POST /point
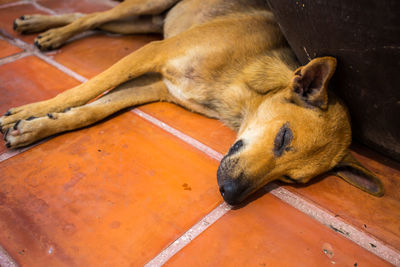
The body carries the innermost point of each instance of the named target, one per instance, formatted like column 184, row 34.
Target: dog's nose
column 230, row 191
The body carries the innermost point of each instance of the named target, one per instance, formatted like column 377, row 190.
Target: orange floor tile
column 83, row 56
column 121, row 192
column 7, row 49
column 208, row 131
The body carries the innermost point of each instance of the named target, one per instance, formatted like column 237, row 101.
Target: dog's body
column 224, row 59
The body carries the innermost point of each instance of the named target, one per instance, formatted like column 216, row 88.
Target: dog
column 225, row 59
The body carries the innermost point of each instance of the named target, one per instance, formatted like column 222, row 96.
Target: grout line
column 27, row 49
column 191, row 141
column 15, row 3
column 11, row 153
column 187, row 237
column 6, row 260
column 15, row 41
column 60, row 67
column 43, row 8
column 326, row 218
column 14, row 57
column 31, row 50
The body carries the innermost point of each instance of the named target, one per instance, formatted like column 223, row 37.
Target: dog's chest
column 188, row 86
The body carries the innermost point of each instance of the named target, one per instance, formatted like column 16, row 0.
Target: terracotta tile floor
column 6, row 49
column 141, row 187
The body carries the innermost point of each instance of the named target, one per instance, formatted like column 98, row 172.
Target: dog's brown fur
column 224, row 59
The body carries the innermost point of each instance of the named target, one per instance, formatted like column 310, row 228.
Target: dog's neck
column 271, row 72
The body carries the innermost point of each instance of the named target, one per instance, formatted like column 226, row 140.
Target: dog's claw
column 5, row 134
column 31, row 118
column 8, row 113
column 38, row 45
column 15, row 25
column 16, row 124
column 8, row 145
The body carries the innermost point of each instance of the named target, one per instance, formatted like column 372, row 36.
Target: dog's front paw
column 7, row 120
column 19, row 134
column 50, row 39
column 30, row 24
column 13, row 115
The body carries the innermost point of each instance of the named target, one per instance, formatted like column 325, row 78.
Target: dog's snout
column 231, row 179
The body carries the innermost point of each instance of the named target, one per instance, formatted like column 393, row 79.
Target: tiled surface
column 111, row 195
column 83, row 56
column 268, row 232
column 7, row 49
column 379, row 217
column 208, row 131
column 119, row 192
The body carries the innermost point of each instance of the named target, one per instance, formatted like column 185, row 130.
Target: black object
column 364, row 36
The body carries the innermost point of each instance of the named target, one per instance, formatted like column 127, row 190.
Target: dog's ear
column 310, row 82
column 350, row 170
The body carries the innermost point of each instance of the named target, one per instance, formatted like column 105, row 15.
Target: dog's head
column 295, row 134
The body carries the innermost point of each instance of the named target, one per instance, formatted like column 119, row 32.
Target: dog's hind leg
column 130, row 8
column 38, row 23
column 149, row 58
column 135, row 92
column 139, row 24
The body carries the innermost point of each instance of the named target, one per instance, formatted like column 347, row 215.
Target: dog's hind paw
column 50, row 39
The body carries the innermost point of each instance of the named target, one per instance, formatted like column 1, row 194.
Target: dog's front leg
column 147, row 59
column 148, row 88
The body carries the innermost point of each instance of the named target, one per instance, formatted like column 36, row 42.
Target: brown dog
column 224, row 59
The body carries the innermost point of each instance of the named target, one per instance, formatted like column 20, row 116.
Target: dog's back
column 188, row 13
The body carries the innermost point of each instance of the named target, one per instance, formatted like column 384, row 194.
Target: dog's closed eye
column 282, row 140
column 235, row 148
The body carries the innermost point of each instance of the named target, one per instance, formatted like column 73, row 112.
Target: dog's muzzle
column 232, row 187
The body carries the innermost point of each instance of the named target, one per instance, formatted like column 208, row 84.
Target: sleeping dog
column 224, row 59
